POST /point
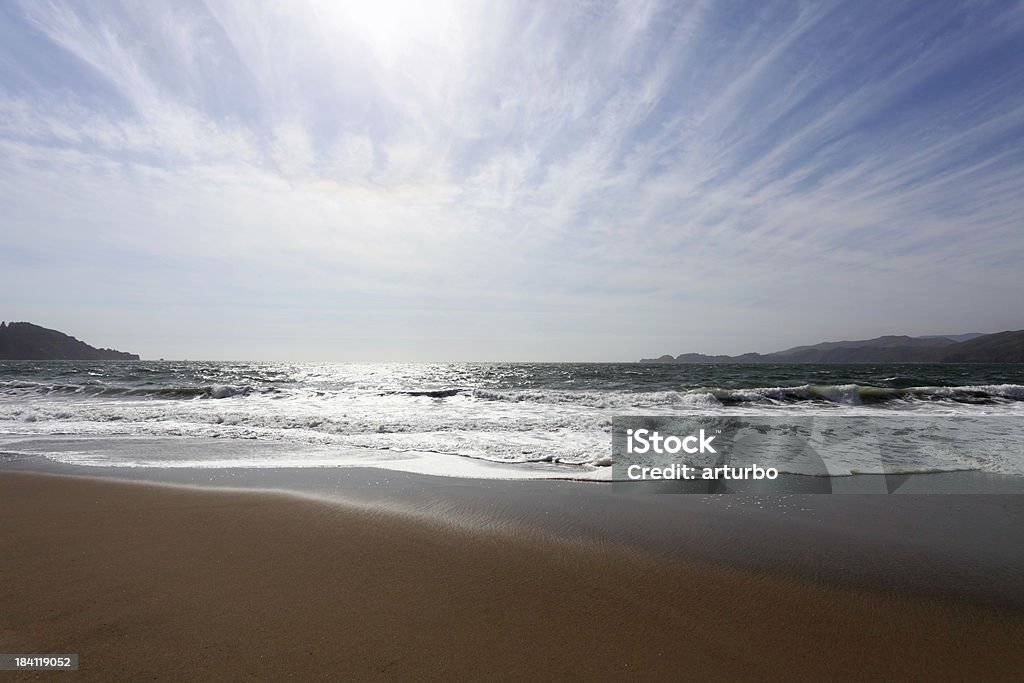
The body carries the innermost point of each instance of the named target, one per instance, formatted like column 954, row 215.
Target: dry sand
column 152, row 582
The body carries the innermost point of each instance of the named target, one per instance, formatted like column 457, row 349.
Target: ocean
column 489, row 420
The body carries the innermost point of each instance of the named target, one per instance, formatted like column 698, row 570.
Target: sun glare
column 392, row 28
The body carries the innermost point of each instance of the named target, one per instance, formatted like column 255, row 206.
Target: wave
column 686, row 398
column 544, row 418
column 848, row 394
column 600, row 399
column 855, row 394
column 432, row 393
column 97, row 389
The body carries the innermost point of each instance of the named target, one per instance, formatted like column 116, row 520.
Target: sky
column 396, row 180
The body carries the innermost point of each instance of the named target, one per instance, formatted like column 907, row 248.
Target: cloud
column 778, row 172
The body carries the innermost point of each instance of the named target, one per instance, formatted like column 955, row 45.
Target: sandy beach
column 511, row 341
column 172, row 583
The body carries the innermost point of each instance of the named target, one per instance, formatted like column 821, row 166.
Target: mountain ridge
column 1001, row 347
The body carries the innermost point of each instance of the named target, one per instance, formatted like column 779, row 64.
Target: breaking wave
column 554, row 416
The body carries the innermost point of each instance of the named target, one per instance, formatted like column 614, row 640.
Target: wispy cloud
column 537, row 180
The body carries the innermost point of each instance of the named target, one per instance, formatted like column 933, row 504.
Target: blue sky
column 399, row 180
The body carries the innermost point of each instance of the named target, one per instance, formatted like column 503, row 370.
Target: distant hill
column 1004, row 347
column 955, row 337
column 25, row 341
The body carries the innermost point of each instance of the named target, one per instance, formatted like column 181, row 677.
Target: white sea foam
column 378, row 412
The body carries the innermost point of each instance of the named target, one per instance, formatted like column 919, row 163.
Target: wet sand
column 170, row 583
column 966, row 547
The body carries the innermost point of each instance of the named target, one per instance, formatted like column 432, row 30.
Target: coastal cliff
column 25, row 341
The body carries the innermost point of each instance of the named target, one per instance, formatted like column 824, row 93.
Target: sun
column 393, row 27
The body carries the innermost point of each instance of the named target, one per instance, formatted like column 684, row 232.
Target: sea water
column 502, row 420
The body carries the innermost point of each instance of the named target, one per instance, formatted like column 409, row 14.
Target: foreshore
column 172, row 583
column 962, row 547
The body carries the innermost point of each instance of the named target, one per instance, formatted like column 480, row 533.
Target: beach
column 514, row 341
column 229, row 521
column 169, row 583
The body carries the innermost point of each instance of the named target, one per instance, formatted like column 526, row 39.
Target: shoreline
column 150, row 580
column 33, row 451
column 965, row 547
